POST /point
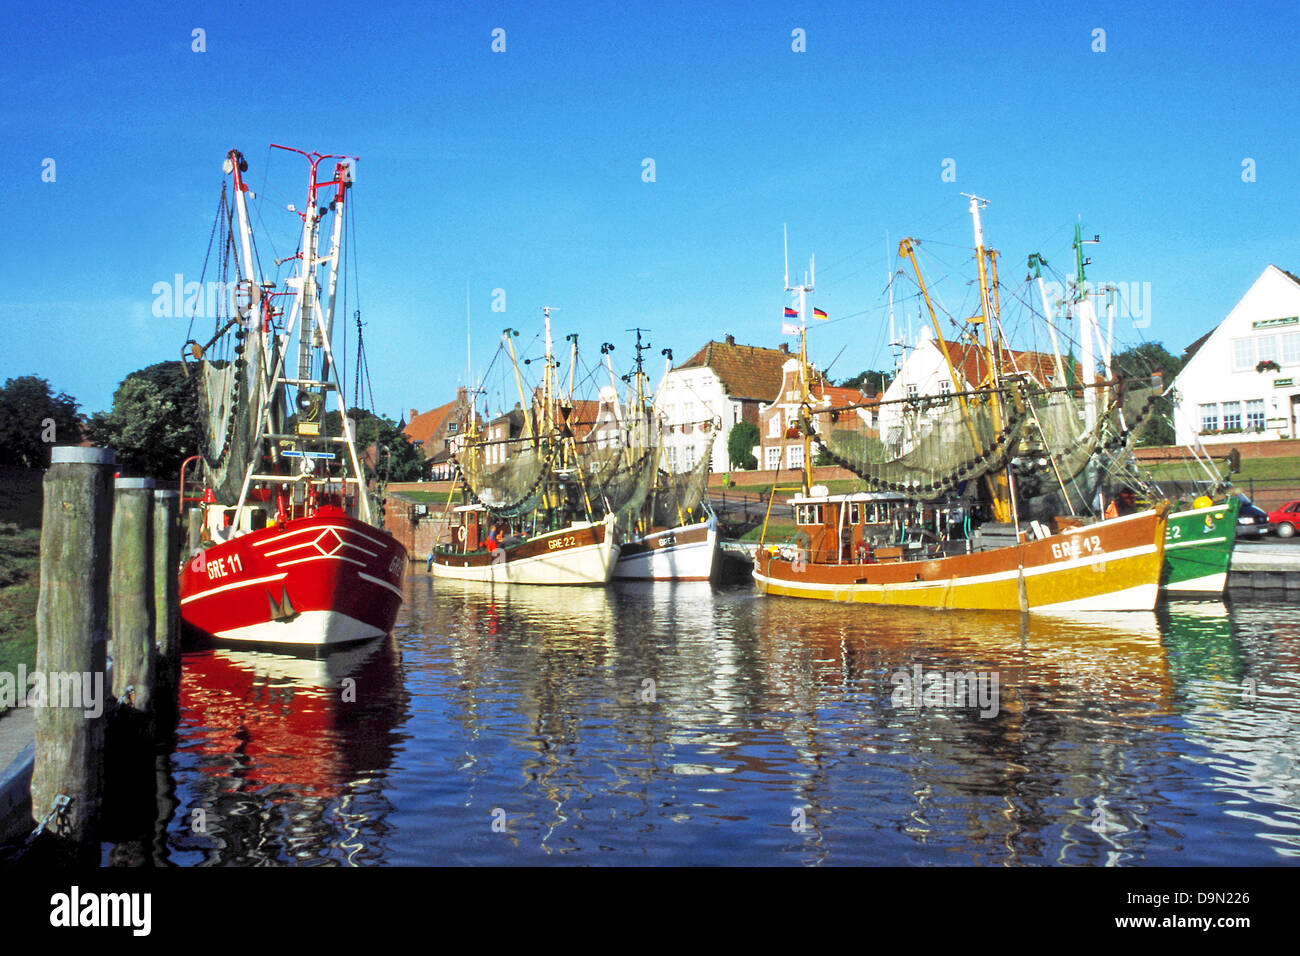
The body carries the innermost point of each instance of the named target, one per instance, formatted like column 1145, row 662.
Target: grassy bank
column 20, row 546
column 776, row 533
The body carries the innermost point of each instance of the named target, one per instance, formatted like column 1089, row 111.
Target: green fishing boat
column 1198, row 546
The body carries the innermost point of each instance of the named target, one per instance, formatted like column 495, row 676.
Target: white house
column 925, row 373
column 700, row 400
column 1240, row 380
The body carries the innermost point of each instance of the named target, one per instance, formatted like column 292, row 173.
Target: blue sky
column 523, row 170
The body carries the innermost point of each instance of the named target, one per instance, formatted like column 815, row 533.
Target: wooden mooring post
column 132, row 595
column 167, row 635
column 72, row 616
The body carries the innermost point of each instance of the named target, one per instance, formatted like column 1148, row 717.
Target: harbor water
column 685, row 724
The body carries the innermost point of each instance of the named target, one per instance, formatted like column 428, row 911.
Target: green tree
column 376, row 432
column 870, row 382
column 740, row 445
column 1141, row 362
column 153, row 425
column 32, row 418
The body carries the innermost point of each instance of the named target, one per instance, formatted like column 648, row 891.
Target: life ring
column 460, row 534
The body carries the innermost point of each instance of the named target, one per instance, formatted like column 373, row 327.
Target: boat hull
column 320, row 581
column 688, row 553
column 581, row 554
column 1198, row 549
column 1112, row 565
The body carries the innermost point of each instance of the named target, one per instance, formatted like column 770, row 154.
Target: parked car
column 1286, row 519
column 1252, row 521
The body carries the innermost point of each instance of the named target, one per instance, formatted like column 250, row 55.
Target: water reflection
column 1238, row 684
column 284, row 755
column 659, row 723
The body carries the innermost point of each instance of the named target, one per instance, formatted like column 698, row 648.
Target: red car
column 1286, row 519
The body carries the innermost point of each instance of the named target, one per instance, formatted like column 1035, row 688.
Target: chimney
column 731, row 340
column 785, row 347
column 460, row 395
column 413, row 414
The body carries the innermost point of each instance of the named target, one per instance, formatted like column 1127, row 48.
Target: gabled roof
column 424, row 426
column 1196, row 346
column 1190, row 352
column 746, row 371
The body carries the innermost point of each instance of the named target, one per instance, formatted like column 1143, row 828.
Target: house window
column 1209, row 418
column 1266, row 348
column 1243, row 354
column 945, row 387
column 796, row 456
column 1291, row 348
column 452, row 427
column 1255, row 414
column 1231, row 416
column 912, row 392
column 773, row 457
column 774, row 425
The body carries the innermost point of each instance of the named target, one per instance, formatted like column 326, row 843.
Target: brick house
column 781, row 445
column 703, row 398
column 435, row 432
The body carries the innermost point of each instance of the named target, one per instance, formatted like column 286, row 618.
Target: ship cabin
column 472, row 528
column 263, row 509
column 868, row 527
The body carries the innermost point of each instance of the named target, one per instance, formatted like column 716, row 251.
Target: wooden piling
column 71, row 630
column 132, row 596
column 166, row 608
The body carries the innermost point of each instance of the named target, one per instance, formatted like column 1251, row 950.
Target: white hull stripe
column 1192, row 544
column 309, row 544
column 319, row 528
column 1140, row 598
column 1103, row 558
column 320, row 557
column 1198, row 511
column 236, row 584
column 587, row 562
column 1209, row 584
column 310, row 628
column 372, row 578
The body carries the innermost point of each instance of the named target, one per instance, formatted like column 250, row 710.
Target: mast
column 314, row 334
column 803, row 290
column 1087, row 327
column 1003, row 506
column 1036, row 262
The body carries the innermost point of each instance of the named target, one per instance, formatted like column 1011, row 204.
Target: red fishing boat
column 285, row 543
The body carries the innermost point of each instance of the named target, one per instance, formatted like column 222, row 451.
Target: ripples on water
column 680, row 724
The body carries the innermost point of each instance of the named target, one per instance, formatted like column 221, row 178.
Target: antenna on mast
column 785, row 243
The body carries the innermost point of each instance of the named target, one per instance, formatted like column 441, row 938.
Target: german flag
column 818, row 314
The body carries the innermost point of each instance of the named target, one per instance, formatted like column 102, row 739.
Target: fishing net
column 230, row 402
column 923, row 446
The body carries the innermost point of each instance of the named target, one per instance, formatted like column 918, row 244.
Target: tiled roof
column 841, row 397
column 746, row 371
column 583, row 417
column 972, row 366
column 424, row 426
